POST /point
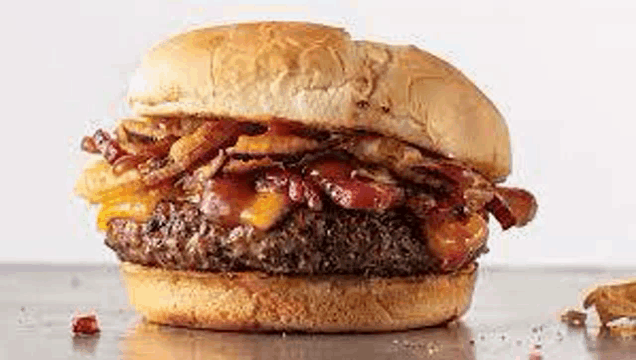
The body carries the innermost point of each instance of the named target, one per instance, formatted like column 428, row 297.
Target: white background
column 561, row 72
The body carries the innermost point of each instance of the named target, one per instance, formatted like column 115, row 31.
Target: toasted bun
column 258, row 302
column 317, row 75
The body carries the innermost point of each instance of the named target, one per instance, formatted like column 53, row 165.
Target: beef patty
column 332, row 241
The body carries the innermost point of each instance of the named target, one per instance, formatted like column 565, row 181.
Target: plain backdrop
column 561, row 72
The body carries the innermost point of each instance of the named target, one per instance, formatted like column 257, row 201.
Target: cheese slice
column 138, row 207
column 266, row 210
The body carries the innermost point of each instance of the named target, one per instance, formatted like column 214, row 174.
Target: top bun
column 318, row 76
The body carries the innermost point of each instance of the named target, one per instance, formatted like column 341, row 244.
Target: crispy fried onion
column 98, row 184
column 280, row 137
column 186, row 141
column 157, row 128
column 208, row 138
column 273, row 144
column 124, row 155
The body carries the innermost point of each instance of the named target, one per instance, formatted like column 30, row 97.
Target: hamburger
column 280, row 176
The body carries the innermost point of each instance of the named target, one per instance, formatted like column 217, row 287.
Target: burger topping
column 225, row 197
column 452, row 240
column 266, row 209
column 267, row 144
column 353, row 190
column 208, row 138
column 230, row 196
column 98, row 184
column 512, row 206
column 256, row 174
column 102, row 143
column 293, row 185
column 135, row 206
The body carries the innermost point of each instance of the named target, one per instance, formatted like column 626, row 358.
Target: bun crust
column 258, row 302
column 317, row 75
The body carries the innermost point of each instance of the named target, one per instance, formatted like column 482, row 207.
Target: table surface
column 515, row 310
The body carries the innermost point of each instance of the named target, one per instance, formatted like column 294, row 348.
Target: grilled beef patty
column 332, row 241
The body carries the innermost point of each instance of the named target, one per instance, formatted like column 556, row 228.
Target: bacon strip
column 512, row 206
column 338, row 180
column 500, row 209
column 102, row 143
column 521, row 202
column 457, row 184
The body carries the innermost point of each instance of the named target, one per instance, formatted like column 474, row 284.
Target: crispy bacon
column 512, row 206
column 84, row 324
column 521, row 202
column 88, row 145
column 297, row 188
column 338, row 180
column 500, row 209
column 102, row 143
column 127, row 162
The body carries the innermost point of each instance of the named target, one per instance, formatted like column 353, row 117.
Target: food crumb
column 574, row 318
column 85, row 324
column 535, row 355
column 535, row 352
column 432, row 347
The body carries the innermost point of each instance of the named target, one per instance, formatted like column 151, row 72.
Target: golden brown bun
column 317, row 75
column 257, row 302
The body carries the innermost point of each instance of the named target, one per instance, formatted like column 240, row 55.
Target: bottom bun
column 252, row 301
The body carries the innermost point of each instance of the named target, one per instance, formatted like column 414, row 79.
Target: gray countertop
column 514, row 311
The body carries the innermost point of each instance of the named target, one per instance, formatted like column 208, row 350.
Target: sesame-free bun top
column 319, row 76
